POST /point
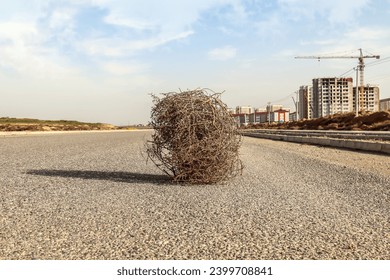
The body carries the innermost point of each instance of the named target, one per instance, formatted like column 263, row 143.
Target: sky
column 100, row 60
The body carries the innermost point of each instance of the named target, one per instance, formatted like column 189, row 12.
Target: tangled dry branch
column 195, row 138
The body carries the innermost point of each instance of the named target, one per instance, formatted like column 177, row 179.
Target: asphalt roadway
column 94, row 196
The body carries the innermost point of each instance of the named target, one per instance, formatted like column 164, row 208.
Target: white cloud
column 334, row 11
column 137, row 24
column 270, row 27
column 368, row 34
column 122, row 47
column 61, row 18
column 166, row 21
column 371, row 39
column 236, row 14
column 224, row 53
column 142, row 25
column 325, row 42
column 49, row 42
column 18, row 32
column 22, row 51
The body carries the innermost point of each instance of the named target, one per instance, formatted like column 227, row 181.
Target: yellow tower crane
column 360, row 69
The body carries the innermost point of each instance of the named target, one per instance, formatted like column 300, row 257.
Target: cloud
column 325, row 42
column 115, row 28
column 62, row 18
column 334, row 11
column 373, row 39
column 270, row 27
column 153, row 22
column 224, row 53
column 22, row 51
column 18, row 32
column 137, row 24
column 118, row 47
column 368, row 34
column 76, row 41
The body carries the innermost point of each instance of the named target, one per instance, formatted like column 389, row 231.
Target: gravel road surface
column 94, row 196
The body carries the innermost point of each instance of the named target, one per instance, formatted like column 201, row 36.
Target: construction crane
column 360, row 69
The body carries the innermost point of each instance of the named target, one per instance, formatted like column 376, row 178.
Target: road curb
column 379, row 147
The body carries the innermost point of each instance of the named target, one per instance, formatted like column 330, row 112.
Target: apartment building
column 259, row 116
column 244, row 110
column 273, row 113
column 336, row 95
column 369, row 100
column 331, row 96
column 305, row 103
column 241, row 119
column 280, row 115
column 384, row 104
column 293, row 116
column 272, row 108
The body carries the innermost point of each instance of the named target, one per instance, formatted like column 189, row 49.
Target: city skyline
column 98, row 60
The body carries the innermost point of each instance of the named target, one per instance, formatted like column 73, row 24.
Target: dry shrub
column 195, row 137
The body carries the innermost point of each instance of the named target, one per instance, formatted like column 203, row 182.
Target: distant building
column 241, row 119
column 273, row 108
column 280, row 116
column 385, row 104
column 244, row 110
column 259, row 116
column 293, row 116
column 331, row 96
column 369, row 101
column 305, row 103
column 273, row 113
column 336, row 95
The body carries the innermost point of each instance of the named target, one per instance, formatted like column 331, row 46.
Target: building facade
column 337, row 95
column 332, row 96
column 305, row 103
column 369, row 100
column 384, row 104
column 293, row 116
column 280, row 116
column 272, row 114
column 241, row 119
column 244, row 110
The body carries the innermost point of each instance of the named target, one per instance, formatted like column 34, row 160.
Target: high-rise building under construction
column 369, row 100
column 305, row 103
column 331, row 96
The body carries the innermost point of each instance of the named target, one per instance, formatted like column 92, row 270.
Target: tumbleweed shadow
column 128, row 177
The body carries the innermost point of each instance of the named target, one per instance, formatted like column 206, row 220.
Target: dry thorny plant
column 195, row 137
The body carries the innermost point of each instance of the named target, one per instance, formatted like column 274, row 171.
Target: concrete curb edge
column 379, row 147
